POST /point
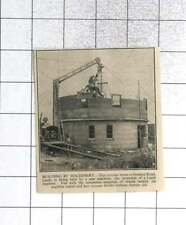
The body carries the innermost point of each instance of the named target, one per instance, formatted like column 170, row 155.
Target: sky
column 123, row 69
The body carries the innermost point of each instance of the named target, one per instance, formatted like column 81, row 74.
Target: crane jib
column 78, row 70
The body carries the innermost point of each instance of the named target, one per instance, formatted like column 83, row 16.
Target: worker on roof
column 92, row 85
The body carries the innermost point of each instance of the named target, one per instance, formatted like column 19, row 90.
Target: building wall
column 125, row 135
column 70, row 107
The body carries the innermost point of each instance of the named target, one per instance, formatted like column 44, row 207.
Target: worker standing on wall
column 92, row 86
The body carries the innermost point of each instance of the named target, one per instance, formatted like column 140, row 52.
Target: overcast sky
column 122, row 70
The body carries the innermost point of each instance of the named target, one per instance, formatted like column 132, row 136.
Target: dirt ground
column 63, row 162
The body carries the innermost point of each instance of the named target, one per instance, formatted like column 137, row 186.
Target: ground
column 129, row 159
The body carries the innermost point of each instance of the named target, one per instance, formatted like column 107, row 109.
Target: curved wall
column 71, row 107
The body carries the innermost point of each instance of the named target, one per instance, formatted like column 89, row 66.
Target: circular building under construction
column 89, row 123
column 90, row 119
column 105, row 124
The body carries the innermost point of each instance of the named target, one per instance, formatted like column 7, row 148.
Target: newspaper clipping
column 98, row 120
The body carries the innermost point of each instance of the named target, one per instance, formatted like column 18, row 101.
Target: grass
column 139, row 158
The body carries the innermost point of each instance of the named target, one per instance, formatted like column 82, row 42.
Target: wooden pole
column 72, row 151
column 139, row 99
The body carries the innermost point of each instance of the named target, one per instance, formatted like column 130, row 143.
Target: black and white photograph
column 97, row 110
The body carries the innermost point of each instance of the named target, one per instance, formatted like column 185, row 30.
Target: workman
column 92, row 85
